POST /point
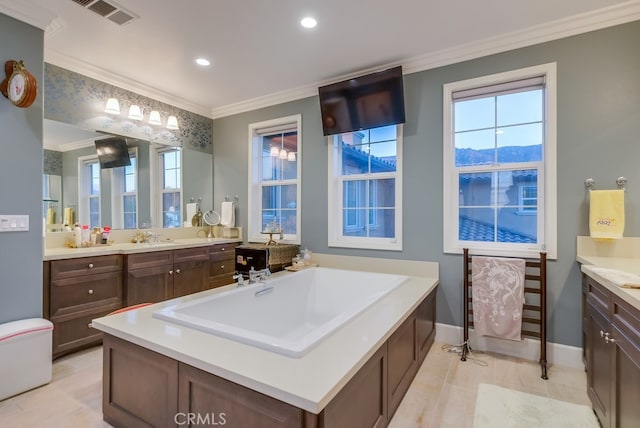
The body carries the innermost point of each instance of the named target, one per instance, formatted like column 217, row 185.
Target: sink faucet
column 240, row 279
column 258, row 275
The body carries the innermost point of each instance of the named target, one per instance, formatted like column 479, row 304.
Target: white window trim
column 547, row 191
column 117, row 204
column 255, row 166
column 156, row 184
column 83, row 189
column 334, row 202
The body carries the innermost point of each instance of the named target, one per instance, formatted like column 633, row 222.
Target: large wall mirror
column 68, row 149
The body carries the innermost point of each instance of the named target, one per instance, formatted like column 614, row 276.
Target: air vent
column 108, row 10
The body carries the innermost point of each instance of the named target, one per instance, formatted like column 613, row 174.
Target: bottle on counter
column 86, row 234
column 94, row 236
column 77, row 236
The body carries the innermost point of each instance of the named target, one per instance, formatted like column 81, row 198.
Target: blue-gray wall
column 21, row 178
column 598, row 137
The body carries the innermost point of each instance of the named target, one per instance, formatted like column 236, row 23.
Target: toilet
column 25, row 355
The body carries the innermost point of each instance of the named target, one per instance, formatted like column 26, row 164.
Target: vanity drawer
column 149, row 260
column 222, row 252
column 598, row 296
column 191, row 254
column 221, row 267
column 73, row 333
column 72, row 294
column 70, row 268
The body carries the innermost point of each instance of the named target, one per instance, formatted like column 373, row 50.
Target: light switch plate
column 14, row 223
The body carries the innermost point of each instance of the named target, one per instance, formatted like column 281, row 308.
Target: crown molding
column 73, row 146
column 89, row 70
column 26, row 11
column 566, row 27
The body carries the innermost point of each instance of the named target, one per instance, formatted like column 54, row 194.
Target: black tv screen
column 364, row 102
column 113, row 152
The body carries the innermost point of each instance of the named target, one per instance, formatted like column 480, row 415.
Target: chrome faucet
column 258, row 275
column 240, row 279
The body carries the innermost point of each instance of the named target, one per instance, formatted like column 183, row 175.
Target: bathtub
column 288, row 315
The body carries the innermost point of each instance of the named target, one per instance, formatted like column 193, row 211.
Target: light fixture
column 113, row 106
column 308, row 22
column 291, row 157
column 283, row 154
column 135, row 112
column 275, row 152
column 172, row 123
column 203, row 61
column 154, row 118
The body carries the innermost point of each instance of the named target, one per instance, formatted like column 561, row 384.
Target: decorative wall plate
column 19, row 86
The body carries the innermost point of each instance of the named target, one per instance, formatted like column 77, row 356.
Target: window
column 499, row 163
column 274, row 178
column 125, row 195
column 89, row 184
column 168, row 181
column 365, row 189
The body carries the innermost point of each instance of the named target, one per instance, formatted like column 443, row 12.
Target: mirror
column 69, row 143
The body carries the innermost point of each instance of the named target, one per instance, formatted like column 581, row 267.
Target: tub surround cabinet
column 368, row 399
column 80, row 290
column 612, row 353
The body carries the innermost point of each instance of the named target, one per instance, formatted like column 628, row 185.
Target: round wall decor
column 19, row 86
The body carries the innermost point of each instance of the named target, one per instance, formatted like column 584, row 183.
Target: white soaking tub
column 290, row 318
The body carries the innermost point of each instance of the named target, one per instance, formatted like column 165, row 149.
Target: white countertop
column 592, row 266
column 309, row 382
column 130, row 248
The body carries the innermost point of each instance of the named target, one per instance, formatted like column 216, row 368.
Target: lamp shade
column 172, row 123
column 283, row 154
column 275, row 152
column 291, row 156
column 135, row 112
column 113, row 106
column 154, row 118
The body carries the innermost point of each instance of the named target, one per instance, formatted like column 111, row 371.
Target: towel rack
column 535, row 291
column 621, row 182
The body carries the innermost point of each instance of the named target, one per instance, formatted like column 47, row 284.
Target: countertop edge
column 631, row 296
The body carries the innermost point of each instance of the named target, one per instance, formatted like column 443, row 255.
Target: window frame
column 256, row 184
column 336, row 181
column 84, row 186
column 157, row 170
column 117, row 182
column 547, row 170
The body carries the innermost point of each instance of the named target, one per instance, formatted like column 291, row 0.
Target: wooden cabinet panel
column 363, row 401
column 73, row 294
column 142, row 390
column 402, row 361
column 222, row 252
column 191, row 255
column 70, row 268
column 151, row 285
column 626, row 395
column 599, row 369
column 426, row 317
column 190, row 277
column 221, row 264
column 148, row 260
column 225, row 402
column 72, row 332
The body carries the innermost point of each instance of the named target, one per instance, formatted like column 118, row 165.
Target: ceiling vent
column 107, row 10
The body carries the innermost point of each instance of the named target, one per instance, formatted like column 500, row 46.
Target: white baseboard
column 528, row 349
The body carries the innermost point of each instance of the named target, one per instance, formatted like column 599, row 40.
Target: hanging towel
column 192, row 209
column 498, row 296
column 227, row 216
column 68, row 216
column 606, row 213
column 51, row 216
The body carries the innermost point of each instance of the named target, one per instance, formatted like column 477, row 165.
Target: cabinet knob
column 170, row 272
column 601, row 333
column 90, row 265
column 608, row 339
column 90, row 291
column 222, row 249
column 221, row 266
column 177, row 270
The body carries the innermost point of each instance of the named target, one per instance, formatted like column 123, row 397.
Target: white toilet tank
column 25, row 355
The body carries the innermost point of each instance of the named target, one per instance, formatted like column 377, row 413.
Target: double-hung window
column 499, row 163
column 89, row 184
column 125, row 194
column 168, row 180
column 365, row 189
column 274, row 178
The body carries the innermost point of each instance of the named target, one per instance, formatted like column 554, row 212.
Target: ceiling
column 260, row 55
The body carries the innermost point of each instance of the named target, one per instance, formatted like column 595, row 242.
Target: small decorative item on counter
column 306, row 255
column 77, row 236
column 86, row 234
column 93, row 239
column 105, row 234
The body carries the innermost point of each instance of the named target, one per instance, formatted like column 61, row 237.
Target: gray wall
column 20, row 188
column 598, row 137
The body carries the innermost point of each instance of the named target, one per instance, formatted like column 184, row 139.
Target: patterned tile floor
column 443, row 393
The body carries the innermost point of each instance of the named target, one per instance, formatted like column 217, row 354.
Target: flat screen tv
column 113, row 152
column 364, row 102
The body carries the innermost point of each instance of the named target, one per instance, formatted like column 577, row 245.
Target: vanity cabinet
column 612, row 351
column 221, row 264
column 160, row 275
column 78, row 291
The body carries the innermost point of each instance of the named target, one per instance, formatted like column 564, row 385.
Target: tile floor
column 443, row 393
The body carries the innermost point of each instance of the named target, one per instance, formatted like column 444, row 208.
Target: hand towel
column 497, row 296
column 51, row 216
column 606, row 213
column 227, row 216
column 68, row 216
column 192, row 209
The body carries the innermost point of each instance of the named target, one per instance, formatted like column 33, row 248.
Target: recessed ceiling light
column 308, row 22
column 203, row 61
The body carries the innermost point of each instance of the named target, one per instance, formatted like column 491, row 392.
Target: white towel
column 192, row 209
column 228, row 217
column 498, row 296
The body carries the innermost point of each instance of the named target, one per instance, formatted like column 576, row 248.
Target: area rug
column 498, row 407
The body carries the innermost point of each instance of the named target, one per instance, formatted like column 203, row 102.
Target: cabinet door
column 626, row 411
column 426, row 314
column 599, row 365
column 403, row 360
column 190, row 277
column 149, row 285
